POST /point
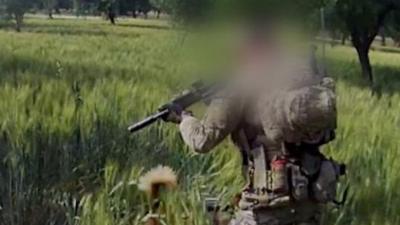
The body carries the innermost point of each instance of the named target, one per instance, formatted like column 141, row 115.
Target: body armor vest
column 297, row 173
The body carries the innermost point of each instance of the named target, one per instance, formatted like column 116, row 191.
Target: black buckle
column 343, row 199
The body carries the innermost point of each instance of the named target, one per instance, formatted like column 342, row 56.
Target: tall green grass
column 69, row 88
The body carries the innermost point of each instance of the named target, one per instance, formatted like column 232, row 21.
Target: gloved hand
column 175, row 114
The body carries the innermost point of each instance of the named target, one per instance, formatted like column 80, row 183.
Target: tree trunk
column 383, row 39
column 18, row 21
column 363, row 56
column 343, row 40
column 50, row 5
column 111, row 18
column 77, row 7
column 50, row 13
column 383, row 36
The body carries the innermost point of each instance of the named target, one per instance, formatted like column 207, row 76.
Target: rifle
column 198, row 92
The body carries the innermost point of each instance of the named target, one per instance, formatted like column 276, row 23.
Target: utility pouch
column 324, row 188
column 314, row 177
column 311, row 164
column 299, row 183
column 216, row 214
column 279, row 176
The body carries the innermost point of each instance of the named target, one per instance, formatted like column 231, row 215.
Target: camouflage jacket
column 290, row 104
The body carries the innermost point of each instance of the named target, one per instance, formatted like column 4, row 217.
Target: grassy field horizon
column 70, row 87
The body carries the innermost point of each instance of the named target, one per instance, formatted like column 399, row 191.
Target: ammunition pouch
column 216, row 214
column 324, row 188
column 307, row 176
column 298, row 183
column 315, row 178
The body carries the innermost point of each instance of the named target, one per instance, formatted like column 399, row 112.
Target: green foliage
column 304, row 14
column 77, row 6
column 189, row 11
column 104, row 5
column 49, row 6
column 16, row 9
column 363, row 20
column 392, row 27
column 365, row 17
column 359, row 15
column 333, row 21
column 49, row 3
column 163, row 5
column 144, row 5
column 17, row 6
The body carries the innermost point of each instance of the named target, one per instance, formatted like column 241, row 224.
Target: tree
column 144, row 7
column 188, row 11
column 16, row 9
column 49, row 5
column 107, row 7
column 77, row 7
column 160, row 6
column 334, row 24
column 363, row 20
column 64, row 4
column 392, row 27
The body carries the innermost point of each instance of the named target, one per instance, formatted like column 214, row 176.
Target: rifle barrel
column 149, row 120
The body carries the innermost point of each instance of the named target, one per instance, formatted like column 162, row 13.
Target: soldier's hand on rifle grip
column 175, row 113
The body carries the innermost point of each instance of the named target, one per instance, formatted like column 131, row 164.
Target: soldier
column 278, row 111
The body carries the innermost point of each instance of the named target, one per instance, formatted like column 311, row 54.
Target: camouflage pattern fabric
column 300, row 115
column 291, row 115
column 221, row 118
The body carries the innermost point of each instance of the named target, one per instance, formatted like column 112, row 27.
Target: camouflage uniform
column 295, row 108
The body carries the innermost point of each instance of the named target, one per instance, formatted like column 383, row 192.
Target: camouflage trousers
column 298, row 215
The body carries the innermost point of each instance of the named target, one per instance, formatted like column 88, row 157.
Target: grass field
column 69, row 88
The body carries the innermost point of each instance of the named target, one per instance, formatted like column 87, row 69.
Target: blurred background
column 75, row 73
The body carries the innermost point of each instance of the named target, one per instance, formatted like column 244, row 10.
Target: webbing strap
column 260, row 169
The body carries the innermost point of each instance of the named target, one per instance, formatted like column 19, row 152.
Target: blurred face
column 254, row 49
column 256, row 53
